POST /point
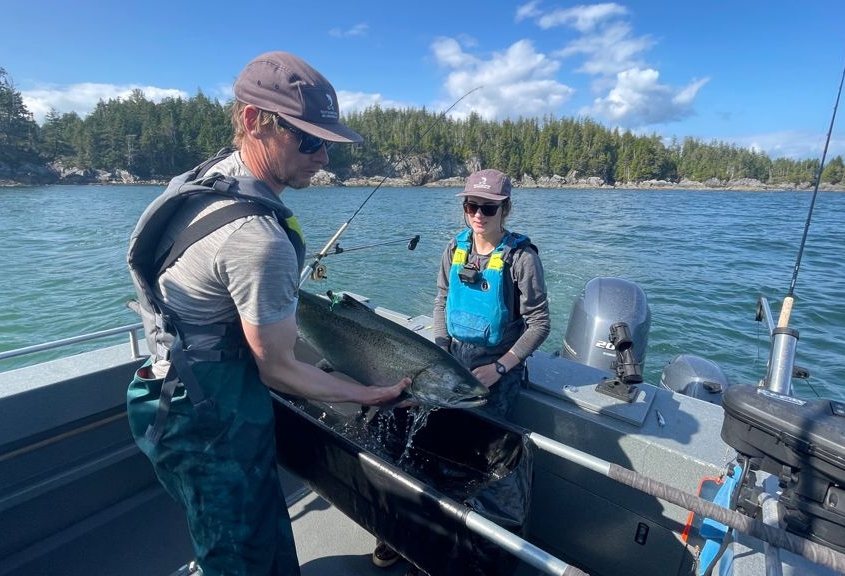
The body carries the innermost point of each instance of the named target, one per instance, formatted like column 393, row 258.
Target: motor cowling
column 604, row 302
column 696, row 377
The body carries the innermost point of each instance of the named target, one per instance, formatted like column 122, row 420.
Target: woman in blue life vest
column 491, row 310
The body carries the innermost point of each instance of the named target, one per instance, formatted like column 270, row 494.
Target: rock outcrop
column 415, row 170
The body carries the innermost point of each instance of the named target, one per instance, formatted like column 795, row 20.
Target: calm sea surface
column 703, row 259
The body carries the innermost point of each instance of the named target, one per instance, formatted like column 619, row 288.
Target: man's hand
column 384, row 395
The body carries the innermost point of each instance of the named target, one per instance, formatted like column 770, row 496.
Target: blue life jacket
column 164, row 330
column 479, row 312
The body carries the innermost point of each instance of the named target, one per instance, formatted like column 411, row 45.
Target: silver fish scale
column 358, row 342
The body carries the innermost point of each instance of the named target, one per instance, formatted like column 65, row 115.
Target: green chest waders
column 220, row 465
column 214, row 451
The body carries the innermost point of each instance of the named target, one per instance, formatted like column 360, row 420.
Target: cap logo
column 329, row 113
column 482, row 184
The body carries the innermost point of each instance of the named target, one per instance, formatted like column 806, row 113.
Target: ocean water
column 703, row 259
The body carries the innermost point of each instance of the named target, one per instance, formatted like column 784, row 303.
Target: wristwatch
column 500, row 368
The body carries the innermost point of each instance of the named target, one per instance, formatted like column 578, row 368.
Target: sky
column 758, row 74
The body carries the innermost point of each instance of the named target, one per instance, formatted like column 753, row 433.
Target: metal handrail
column 132, row 329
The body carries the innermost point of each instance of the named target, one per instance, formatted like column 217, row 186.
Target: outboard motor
column 605, row 302
column 696, row 377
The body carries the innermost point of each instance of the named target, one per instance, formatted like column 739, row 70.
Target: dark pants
column 503, row 393
column 500, row 401
column 220, row 465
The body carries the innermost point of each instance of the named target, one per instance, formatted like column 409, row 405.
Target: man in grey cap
column 225, row 324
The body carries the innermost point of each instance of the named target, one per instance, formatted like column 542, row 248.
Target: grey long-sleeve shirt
column 527, row 273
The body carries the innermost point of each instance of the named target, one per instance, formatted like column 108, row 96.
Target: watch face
column 500, row 368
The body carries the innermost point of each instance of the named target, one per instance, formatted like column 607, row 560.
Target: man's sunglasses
column 308, row 143
column 486, row 209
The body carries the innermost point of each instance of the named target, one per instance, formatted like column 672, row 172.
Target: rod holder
column 781, row 361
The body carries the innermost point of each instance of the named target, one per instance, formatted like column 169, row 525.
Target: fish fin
column 405, row 396
column 347, row 300
column 324, row 365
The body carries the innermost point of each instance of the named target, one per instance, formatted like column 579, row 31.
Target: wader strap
column 205, row 226
column 220, row 355
column 179, row 371
column 156, row 429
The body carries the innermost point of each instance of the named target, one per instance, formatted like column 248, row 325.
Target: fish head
column 447, row 387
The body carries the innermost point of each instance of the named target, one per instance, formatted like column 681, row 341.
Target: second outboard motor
column 696, row 377
column 604, row 302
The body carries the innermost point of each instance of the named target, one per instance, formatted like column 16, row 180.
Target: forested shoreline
column 136, row 140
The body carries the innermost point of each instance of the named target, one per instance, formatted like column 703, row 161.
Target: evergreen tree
column 55, row 134
column 833, row 171
column 159, row 140
column 18, row 130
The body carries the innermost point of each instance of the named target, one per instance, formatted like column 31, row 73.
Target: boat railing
column 131, row 329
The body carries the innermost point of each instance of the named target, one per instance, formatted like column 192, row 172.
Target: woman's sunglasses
column 308, row 143
column 486, row 209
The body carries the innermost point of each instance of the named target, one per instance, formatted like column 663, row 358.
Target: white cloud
column 517, row 82
column 357, row 30
column 526, row 11
column 448, row 52
column 638, row 99
column 793, row 144
column 83, row 98
column 608, row 52
column 584, row 18
column 627, row 89
column 359, row 101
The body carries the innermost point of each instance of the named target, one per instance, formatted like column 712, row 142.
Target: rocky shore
column 324, row 178
column 31, row 175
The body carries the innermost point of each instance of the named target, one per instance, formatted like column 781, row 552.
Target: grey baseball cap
column 490, row 184
column 286, row 84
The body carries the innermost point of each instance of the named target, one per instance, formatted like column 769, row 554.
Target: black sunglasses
column 486, row 209
column 308, row 143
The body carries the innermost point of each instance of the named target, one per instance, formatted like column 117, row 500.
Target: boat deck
column 146, row 536
column 78, row 498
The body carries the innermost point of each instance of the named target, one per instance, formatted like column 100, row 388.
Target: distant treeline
column 157, row 140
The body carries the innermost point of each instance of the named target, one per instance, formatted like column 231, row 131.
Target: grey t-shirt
column 246, row 269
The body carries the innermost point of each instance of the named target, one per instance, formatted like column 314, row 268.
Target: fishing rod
column 310, row 268
column 781, row 364
column 318, row 271
column 338, row 249
column 788, row 301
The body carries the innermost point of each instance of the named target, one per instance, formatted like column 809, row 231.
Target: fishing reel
column 319, row 272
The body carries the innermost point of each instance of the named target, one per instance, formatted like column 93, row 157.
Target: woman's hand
column 487, row 374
